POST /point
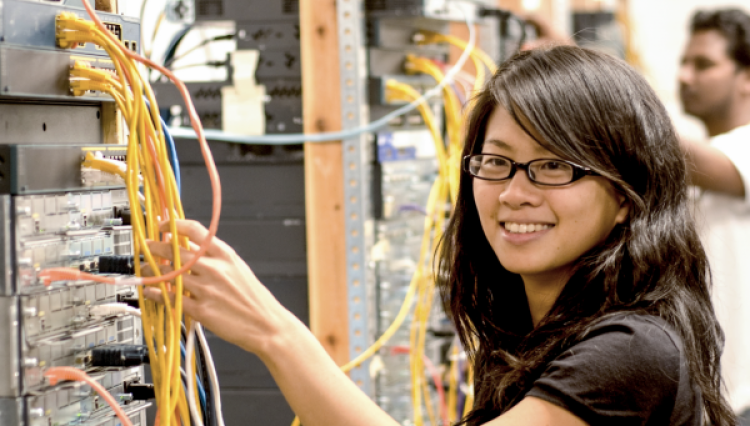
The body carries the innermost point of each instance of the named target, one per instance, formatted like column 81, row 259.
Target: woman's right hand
column 225, row 296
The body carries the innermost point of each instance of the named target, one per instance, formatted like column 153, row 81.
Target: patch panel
column 247, row 10
column 72, row 409
column 79, row 253
column 430, row 9
column 56, row 329
column 269, row 35
column 279, row 64
column 68, row 213
column 76, row 404
column 377, row 86
column 32, row 25
column 73, row 349
column 43, row 74
column 66, row 310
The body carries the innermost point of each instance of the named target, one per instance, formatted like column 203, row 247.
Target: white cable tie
column 112, row 309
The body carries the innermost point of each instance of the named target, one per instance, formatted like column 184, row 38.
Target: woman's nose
column 520, row 191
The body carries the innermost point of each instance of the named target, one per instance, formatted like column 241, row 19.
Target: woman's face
column 540, row 231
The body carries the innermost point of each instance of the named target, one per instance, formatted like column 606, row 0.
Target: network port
column 115, row 29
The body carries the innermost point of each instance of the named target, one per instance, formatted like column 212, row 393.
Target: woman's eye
column 554, row 165
column 495, row 162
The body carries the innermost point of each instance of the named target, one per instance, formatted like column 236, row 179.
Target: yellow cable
column 478, row 56
column 453, row 120
column 469, row 401
column 453, row 385
column 161, row 324
column 433, row 37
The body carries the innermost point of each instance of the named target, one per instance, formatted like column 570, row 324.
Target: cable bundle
column 147, row 167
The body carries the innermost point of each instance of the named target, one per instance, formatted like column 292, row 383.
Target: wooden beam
column 106, row 6
column 512, row 5
column 111, row 119
column 324, row 178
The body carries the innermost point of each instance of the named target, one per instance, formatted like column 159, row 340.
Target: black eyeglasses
column 543, row 171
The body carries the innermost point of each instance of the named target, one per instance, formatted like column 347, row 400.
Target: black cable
column 172, row 59
column 175, row 43
column 202, row 371
column 208, row 389
column 119, row 356
column 140, row 391
column 215, row 64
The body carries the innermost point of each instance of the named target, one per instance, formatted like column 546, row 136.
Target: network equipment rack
column 34, row 66
column 62, row 216
column 56, row 213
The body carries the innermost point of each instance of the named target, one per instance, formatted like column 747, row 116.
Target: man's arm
column 711, row 169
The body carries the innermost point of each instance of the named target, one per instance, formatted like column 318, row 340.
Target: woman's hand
column 225, row 295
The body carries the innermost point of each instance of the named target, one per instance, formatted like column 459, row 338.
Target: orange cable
column 195, row 122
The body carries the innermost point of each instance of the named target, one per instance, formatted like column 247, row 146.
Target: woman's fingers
column 164, row 250
column 197, row 233
column 189, row 305
column 192, row 283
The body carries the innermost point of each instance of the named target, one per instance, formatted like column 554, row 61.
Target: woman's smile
column 518, row 232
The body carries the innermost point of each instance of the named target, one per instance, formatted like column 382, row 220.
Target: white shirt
column 724, row 225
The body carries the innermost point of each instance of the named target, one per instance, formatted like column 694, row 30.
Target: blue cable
column 201, row 391
column 171, row 149
column 287, row 139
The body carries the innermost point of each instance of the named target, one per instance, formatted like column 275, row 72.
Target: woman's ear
column 624, row 212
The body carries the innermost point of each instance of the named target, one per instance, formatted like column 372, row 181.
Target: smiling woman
column 570, row 266
column 578, row 290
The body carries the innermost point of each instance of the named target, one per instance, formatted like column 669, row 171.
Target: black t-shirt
column 629, row 370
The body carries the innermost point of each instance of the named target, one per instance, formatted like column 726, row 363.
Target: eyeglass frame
column 578, row 170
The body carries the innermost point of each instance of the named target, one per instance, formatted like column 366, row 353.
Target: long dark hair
column 595, row 110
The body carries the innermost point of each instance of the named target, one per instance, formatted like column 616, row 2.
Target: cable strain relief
column 119, row 356
column 140, row 391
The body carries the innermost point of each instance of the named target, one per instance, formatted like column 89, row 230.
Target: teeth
column 523, row 228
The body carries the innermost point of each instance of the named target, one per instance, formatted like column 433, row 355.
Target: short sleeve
column 624, row 372
column 736, row 145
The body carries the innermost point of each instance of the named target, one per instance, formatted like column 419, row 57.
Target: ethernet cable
column 454, row 120
column 199, row 384
column 429, row 37
column 190, row 378
column 171, row 150
column 161, row 325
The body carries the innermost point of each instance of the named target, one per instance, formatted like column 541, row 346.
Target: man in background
column 714, row 83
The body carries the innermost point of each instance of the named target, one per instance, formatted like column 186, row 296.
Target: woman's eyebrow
column 500, row 144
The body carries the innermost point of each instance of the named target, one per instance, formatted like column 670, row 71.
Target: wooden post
column 106, row 5
column 324, row 178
